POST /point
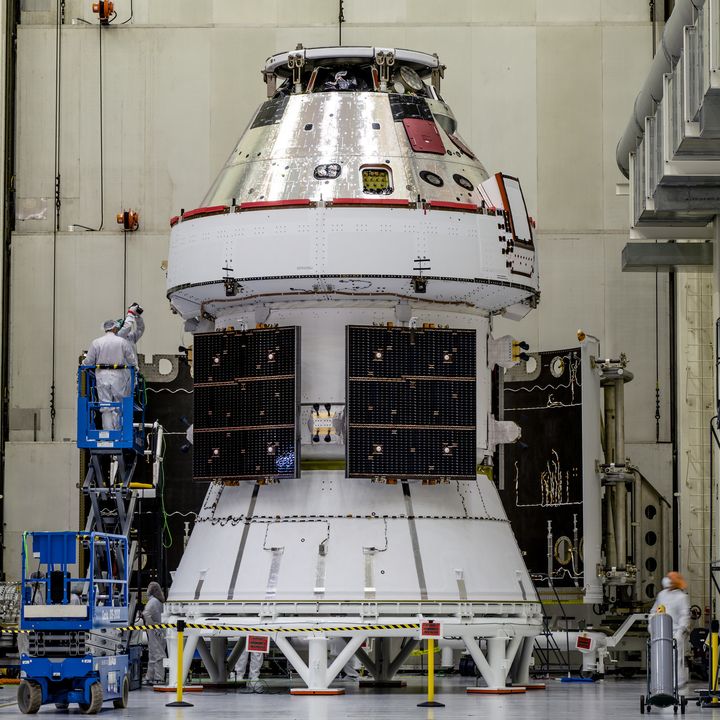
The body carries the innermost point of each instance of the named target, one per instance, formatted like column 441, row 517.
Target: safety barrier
column 277, row 629
column 243, row 629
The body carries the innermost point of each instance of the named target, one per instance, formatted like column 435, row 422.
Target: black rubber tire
column 29, row 697
column 122, row 701
column 96, row 700
column 642, row 704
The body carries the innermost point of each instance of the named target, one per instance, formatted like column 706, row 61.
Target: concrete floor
column 607, row 700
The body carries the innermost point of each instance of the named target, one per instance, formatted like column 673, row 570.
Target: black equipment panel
column 246, row 405
column 411, row 403
column 409, row 106
column 270, row 112
column 540, row 476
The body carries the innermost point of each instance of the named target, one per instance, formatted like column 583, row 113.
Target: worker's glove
column 135, row 309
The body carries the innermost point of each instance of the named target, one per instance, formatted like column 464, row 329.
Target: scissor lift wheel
column 29, row 697
column 96, row 700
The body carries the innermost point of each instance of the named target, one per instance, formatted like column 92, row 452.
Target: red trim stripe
column 388, row 202
column 443, row 205
column 203, row 211
column 265, row 204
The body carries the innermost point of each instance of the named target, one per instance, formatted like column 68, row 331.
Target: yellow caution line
column 343, row 628
column 236, row 628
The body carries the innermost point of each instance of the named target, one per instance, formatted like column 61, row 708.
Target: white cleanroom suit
column 677, row 606
column 152, row 615
column 256, row 661
column 133, row 326
column 112, row 385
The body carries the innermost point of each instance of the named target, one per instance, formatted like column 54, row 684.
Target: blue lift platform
column 58, row 609
column 114, row 453
column 61, row 612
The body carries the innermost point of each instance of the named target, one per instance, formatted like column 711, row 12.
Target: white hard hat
column 666, row 582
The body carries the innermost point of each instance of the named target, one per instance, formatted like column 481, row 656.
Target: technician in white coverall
column 677, row 605
column 256, row 661
column 133, row 327
column 152, row 615
column 112, row 385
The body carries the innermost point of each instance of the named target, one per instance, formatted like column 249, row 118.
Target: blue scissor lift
column 114, row 453
column 60, row 612
column 58, row 609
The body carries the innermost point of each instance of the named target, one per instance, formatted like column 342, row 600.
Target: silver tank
column 662, row 689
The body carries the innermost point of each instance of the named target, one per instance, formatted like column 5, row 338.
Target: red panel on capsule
column 423, row 136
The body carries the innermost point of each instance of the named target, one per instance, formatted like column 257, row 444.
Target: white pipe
column 667, row 54
column 563, row 639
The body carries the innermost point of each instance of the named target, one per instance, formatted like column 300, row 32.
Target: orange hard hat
column 677, row 580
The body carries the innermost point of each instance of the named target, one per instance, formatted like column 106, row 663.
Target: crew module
column 340, row 278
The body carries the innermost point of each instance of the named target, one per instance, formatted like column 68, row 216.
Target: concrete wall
column 541, row 88
column 41, row 494
column 695, row 391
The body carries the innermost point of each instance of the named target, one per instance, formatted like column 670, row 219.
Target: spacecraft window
column 651, row 564
column 308, row 126
column 650, row 537
column 376, row 180
column 650, row 512
column 447, row 123
column 463, row 182
column 327, row 172
column 431, row 178
column 376, row 126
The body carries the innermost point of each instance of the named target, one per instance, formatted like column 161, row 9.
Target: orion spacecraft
column 340, row 278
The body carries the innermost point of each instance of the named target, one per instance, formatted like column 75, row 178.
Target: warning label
column 430, row 630
column 258, row 643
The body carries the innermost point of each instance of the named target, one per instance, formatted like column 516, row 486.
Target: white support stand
column 494, row 669
column 316, row 674
column 190, row 645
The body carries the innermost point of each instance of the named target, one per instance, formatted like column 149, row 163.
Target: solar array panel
column 411, row 402
column 246, row 404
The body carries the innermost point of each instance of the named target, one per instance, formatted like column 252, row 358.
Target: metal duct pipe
column 610, row 432
column 620, row 422
column 671, row 45
column 620, row 498
column 611, row 559
column 611, row 556
column 620, row 494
